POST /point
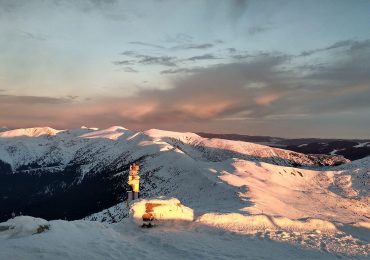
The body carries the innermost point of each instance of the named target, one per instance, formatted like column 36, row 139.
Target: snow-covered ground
column 248, row 200
column 208, row 237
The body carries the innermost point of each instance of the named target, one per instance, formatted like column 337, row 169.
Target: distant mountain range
column 351, row 149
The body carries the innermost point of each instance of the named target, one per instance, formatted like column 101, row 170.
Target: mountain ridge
column 242, row 187
column 59, row 166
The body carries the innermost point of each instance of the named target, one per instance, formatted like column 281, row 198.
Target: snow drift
column 23, row 226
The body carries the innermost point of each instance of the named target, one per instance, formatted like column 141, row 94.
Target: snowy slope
column 323, row 208
column 93, row 240
column 187, row 166
column 220, row 149
column 237, row 185
column 209, row 180
column 259, row 194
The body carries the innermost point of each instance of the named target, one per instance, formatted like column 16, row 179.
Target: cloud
column 129, row 53
column 352, row 67
column 183, row 46
column 123, row 62
column 203, row 57
column 179, row 38
column 33, row 36
column 256, row 29
column 164, row 60
column 147, row 59
column 129, row 69
column 231, row 50
column 351, row 44
column 257, row 89
column 147, row 44
column 72, row 97
column 157, row 60
column 10, row 99
column 180, row 70
column 194, row 46
column 206, row 94
column 241, row 55
column 256, row 93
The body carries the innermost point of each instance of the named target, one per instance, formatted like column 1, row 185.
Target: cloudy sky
column 290, row 68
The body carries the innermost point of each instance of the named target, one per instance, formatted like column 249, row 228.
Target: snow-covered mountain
column 42, row 166
column 46, row 146
column 352, row 149
column 319, row 202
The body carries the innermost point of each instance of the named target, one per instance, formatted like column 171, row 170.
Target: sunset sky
column 282, row 68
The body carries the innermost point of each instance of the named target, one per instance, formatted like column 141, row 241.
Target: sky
column 288, row 68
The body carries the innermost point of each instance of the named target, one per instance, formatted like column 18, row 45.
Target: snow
column 237, row 222
column 45, row 146
column 364, row 144
column 334, row 152
column 247, row 201
column 228, row 175
column 90, row 128
column 205, row 238
column 22, row 226
column 157, row 133
column 112, row 133
column 29, row 132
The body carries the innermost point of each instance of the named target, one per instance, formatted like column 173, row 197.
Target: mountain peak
column 116, row 128
column 157, row 133
column 113, row 133
column 29, row 132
